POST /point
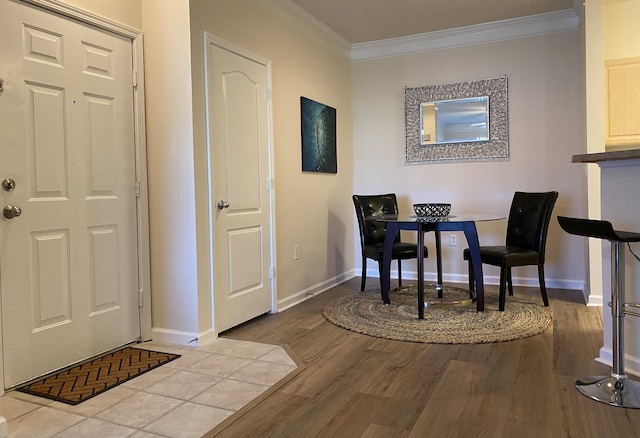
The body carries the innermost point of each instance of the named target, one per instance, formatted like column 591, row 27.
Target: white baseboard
column 196, row 339
column 493, row 280
column 309, row 292
column 593, row 300
column 182, row 338
column 631, row 363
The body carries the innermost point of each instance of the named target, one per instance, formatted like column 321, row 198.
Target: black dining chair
column 372, row 233
column 527, row 228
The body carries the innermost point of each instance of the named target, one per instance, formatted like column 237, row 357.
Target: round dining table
column 465, row 222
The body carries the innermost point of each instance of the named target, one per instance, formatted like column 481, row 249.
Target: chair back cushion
column 369, row 206
column 529, row 219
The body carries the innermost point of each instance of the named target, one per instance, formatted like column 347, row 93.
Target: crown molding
column 309, row 25
column 533, row 25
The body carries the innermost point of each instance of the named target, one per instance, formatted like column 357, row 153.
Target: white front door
column 239, row 154
column 68, row 263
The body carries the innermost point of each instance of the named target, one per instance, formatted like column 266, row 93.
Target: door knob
column 222, row 204
column 8, row 184
column 11, row 211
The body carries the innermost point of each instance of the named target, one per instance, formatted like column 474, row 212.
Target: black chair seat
column 527, row 228
column 372, row 233
column 401, row 250
column 506, row 256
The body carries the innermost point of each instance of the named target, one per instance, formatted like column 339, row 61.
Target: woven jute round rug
column 450, row 320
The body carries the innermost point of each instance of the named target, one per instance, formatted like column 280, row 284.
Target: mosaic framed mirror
column 463, row 121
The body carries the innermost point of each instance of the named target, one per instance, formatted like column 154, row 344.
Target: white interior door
column 68, row 263
column 238, row 137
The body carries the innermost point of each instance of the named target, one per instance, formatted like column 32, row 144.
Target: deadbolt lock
column 8, row 184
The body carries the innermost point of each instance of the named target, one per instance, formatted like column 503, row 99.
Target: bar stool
column 616, row 389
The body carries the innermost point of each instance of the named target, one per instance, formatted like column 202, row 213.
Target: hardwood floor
column 354, row 385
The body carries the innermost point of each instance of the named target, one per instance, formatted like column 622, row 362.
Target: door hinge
column 136, row 189
column 140, row 298
column 271, row 273
column 135, row 78
column 270, row 184
column 267, row 94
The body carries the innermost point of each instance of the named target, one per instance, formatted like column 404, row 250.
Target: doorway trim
column 142, row 202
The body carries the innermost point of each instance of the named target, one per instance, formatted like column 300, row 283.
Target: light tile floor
column 184, row 398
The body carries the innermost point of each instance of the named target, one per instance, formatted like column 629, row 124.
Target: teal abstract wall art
column 318, row 128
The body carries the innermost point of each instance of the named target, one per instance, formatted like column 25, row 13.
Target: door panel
column 68, row 264
column 103, row 272
column 50, row 270
column 45, row 142
column 239, row 162
column 242, row 106
column 245, row 260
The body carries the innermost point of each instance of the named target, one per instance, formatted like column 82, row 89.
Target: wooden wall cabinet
column 622, row 102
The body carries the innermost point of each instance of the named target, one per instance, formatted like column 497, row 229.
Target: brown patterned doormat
column 81, row 382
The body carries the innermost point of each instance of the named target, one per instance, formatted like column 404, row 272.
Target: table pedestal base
column 614, row 391
column 468, row 226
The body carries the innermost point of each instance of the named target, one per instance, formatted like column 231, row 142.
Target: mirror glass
column 454, row 121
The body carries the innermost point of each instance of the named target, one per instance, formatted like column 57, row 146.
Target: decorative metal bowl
column 432, row 210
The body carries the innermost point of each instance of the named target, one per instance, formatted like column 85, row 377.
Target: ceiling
column 370, row 20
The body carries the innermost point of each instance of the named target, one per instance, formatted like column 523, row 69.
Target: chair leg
column 364, row 273
column 380, row 272
column 439, row 261
column 510, row 282
column 543, row 286
column 399, row 273
column 503, row 289
column 472, row 278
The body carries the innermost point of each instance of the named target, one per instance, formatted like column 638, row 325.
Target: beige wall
column 621, row 207
column 313, row 211
column 594, row 115
column 174, row 289
column 615, row 35
column 170, row 162
column 545, row 104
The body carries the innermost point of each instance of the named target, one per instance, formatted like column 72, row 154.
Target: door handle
column 223, row 204
column 11, row 211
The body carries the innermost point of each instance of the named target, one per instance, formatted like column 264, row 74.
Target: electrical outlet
column 453, row 240
column 296, row 252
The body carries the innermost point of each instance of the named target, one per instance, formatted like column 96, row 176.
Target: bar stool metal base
column 613, row 391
